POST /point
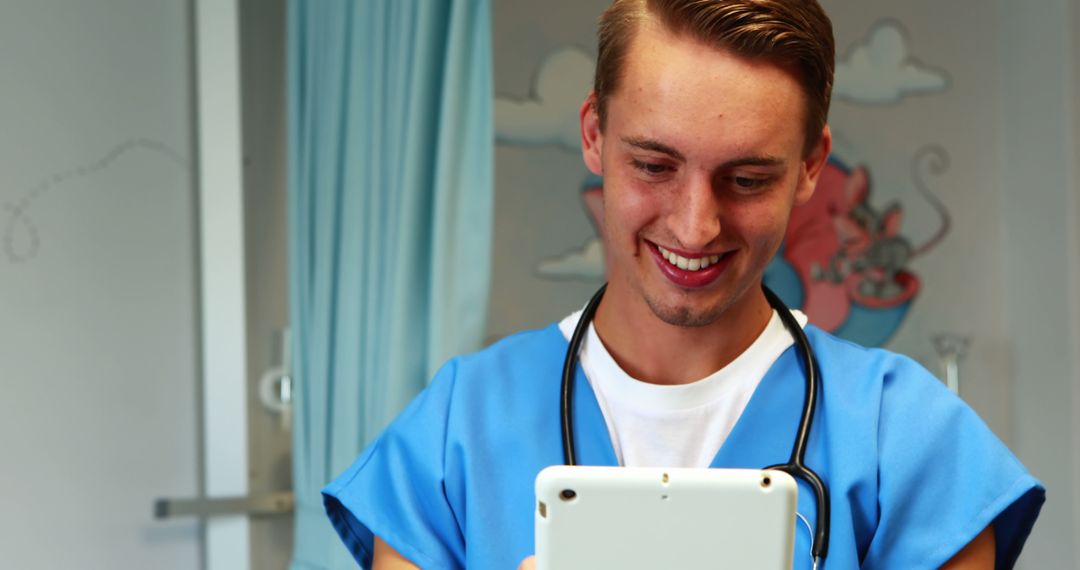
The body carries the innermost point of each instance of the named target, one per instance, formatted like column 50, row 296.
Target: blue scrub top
column 913, row 474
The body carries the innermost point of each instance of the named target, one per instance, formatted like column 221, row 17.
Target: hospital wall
column 98, row 327
column 1002, row 113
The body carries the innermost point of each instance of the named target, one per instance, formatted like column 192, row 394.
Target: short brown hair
column 793, row 33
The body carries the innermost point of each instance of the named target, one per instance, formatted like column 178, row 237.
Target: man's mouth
column 688, row 263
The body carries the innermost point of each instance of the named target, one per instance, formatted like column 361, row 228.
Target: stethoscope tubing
column 796, row 466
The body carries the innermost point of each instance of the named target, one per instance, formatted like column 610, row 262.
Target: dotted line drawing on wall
column 21, row 239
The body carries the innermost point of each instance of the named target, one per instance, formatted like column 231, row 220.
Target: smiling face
column 702, row 158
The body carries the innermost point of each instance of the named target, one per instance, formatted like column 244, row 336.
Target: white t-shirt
column 653, row 425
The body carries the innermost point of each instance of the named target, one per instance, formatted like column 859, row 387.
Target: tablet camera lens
column 567, row 495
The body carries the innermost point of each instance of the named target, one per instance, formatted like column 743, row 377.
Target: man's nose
column 695, row 218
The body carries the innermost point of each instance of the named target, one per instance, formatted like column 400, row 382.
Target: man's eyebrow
column 655, row 146
column 767, row 161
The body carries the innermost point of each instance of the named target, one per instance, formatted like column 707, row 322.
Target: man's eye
column 652, row 168
column 748, row 183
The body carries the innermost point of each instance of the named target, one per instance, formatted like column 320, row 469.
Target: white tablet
column 645, row 518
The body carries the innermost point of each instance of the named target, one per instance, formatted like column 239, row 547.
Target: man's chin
column 683, row 315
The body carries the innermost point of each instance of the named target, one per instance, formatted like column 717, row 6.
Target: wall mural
column 845, row 259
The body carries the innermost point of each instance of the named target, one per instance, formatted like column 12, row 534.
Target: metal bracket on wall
column 280, row 503
column 951, row 349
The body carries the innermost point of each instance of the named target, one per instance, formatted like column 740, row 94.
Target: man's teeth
column 688, row 264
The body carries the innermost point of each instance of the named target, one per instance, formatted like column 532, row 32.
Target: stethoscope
column 795, row 465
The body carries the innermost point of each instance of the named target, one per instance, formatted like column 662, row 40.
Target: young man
column 708, row 124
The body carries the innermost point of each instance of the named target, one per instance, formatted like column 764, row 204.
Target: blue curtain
column 390, row 204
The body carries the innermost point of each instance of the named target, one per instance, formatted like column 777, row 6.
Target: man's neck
column 653, row 351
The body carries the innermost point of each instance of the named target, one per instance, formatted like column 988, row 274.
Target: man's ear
column 812, row 167
column 591, row 137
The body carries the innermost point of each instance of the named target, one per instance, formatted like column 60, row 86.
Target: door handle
column 279, row 503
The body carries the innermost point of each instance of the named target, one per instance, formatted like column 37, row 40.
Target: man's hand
column 386, row 558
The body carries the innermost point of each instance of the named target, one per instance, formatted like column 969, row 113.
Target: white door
column 98, row 287
column 123, row 288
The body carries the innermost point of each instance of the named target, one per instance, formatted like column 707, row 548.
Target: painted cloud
column 880, row 70
column 551, row 115
column 586, row 264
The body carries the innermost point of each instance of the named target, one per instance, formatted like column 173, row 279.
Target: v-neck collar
column 762, row 435
column 765, row 432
